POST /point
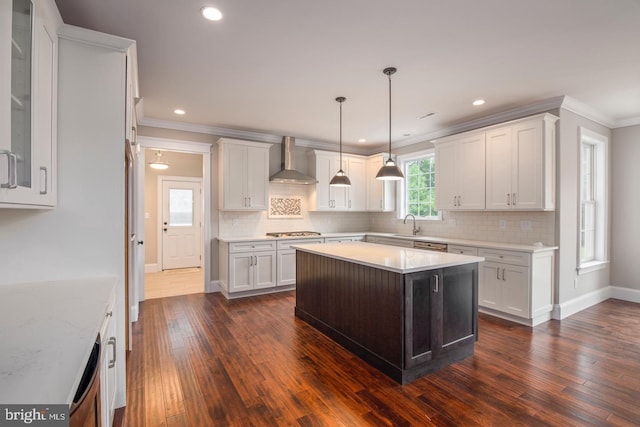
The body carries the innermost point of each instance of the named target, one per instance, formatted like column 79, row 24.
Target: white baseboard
column 151, row 268
column 625, row 294
column 134, row 313
column 213, row 286
column 566, row 309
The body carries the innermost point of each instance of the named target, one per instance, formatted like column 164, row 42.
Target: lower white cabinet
column 390, row 241
column 247, row 266
column 342, row 239
column 516, row 285
column 286, row 271
column 462, row 250
column 108, row 367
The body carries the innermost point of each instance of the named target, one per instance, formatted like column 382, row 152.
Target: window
column 592, row 238
column 418, row 195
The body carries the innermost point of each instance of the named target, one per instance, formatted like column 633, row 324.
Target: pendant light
column 390, row 171
column 341, row 179
column 158, row 163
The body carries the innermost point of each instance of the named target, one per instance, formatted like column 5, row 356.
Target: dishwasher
column 430, row 246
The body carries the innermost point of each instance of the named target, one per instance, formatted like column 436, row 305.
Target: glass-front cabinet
column 28, row 54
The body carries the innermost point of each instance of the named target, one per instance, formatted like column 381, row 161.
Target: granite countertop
column 47, row 331
column 391, row 258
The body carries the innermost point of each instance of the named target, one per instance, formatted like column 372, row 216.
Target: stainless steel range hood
column 289, row 174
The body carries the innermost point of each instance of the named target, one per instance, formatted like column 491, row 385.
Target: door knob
column 140, row 242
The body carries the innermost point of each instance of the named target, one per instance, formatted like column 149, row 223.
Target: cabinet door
column 257, row 178
column 458, row 292
column 490, row 285
column 240, row 272
column 420, row 305
column 235, row 177
column 358, row 191
column 264, row 269
column 498, row 161
column 286, row 270
column 527, row 181
column 108, row 373
column 339, row 196
column 380, row 193
column 323, row 175
column 515, row 290
column 447, row 163
column 471, row 173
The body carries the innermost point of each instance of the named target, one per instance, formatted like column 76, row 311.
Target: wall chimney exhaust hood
column 289, row 174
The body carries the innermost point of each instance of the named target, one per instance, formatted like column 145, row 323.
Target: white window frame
column 402, row 185
column 599, row 181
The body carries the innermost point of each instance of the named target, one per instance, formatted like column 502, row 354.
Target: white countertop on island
column 390, row 258
column 47, row 331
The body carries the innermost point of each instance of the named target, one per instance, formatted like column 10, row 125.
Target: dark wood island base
column 404, row 324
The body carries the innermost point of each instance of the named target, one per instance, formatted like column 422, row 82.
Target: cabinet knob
column 109, row 313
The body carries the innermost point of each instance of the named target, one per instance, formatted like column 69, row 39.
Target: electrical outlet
column 503, row 224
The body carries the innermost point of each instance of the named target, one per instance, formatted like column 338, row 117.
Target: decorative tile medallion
column 285, row 207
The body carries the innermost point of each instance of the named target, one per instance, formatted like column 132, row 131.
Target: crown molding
column 588, row 112
column 628, row 122
column 95, row 38
column 248, row 135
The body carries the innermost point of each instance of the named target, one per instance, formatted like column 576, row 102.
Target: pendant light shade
column 340, row 179
column 158, row 163
column 390, row 171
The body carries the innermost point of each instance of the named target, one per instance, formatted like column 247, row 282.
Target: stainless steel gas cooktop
column 293, row 234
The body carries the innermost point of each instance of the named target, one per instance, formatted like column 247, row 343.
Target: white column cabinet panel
column 380, row 193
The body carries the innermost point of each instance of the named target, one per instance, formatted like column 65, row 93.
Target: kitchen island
column 407, row 312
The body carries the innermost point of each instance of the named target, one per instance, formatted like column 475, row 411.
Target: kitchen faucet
column 416, row 230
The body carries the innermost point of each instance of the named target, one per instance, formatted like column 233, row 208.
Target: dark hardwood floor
column 199, row 360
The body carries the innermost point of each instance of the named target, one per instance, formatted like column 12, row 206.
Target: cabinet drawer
column 286, row 244
column 506, row 257
column 265, row 245
column 464, row 250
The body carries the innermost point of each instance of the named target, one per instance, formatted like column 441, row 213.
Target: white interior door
column 181, row 223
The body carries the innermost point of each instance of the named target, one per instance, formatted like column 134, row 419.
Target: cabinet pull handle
column 12, row 172
column 503, row 273
column 46, row 180
column 513, row 199
column 112, row 362
column 454, row 200
column 436, row 284
column 349, row 204
column 508, row 199
column 497, row 273
column 249, row 201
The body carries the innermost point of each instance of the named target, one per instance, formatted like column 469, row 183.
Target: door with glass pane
column 181, row 223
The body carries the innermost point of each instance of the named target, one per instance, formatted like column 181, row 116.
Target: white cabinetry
column 380, row 193
column 342, row 239
column 247, row 266
column 323, row 166
column 244, row 175
column 520, row 159
column 516, row 285
column 28, row 82
column 108, row 367
column 390, row 241
column 286, row 269
column 463, row 250
column 460, row 173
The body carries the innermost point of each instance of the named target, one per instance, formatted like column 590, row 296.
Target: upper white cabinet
column 460, row 172
column 520, row 161
column 501, row 167
column 244, row 175
column 380, row 193
column 28, row 80
column 323, row 166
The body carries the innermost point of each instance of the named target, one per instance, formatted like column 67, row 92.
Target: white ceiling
column 276, row 66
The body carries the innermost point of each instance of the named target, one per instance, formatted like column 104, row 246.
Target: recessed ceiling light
column 211, row 13
column 179, row 112
column 362, row 140
column 424, row 116
column 478, row 102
